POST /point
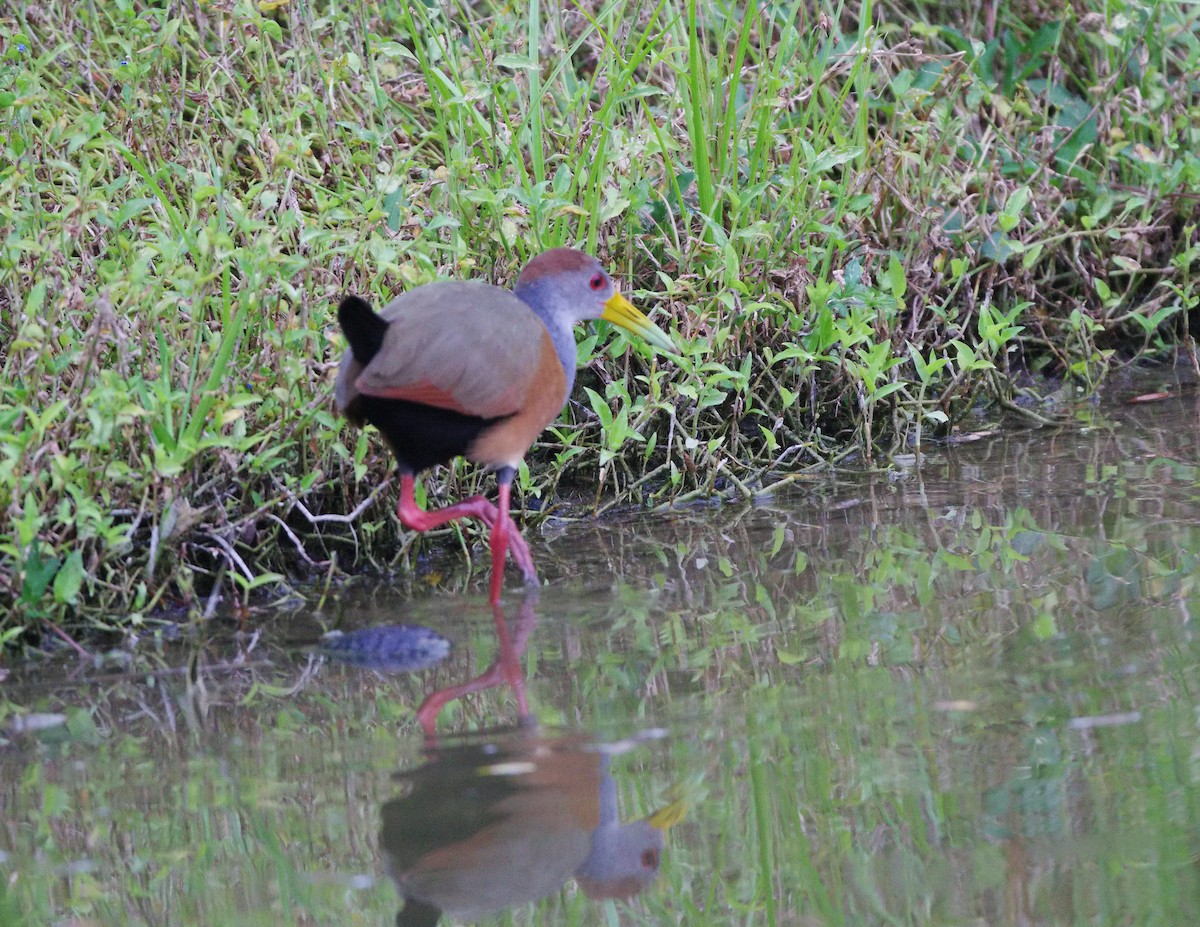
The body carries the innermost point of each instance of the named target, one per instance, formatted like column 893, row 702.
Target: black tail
column 417, row 914
column 362, row 328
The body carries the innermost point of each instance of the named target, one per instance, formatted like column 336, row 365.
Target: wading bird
column 490, row 823
column 466, row 369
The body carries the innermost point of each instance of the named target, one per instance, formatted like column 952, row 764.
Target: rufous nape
column 466, row 369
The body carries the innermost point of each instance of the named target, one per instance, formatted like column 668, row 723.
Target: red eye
column 597, row 282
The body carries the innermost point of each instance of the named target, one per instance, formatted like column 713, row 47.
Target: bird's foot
column 411, row 516
column 519, row 550
column 475, row 507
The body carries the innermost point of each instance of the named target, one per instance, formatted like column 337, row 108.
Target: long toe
column 476, row 507
column 521, row 555
column 487, row 513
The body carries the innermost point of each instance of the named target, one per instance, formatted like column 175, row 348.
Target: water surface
column 961, row 692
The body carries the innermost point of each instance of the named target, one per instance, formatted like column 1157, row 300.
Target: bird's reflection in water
column 495, row 821
column 492, row 821
column 505, row 668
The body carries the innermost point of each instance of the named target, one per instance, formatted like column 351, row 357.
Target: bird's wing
column 468, row 347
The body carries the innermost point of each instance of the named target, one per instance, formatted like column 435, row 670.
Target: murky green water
column 963, row 694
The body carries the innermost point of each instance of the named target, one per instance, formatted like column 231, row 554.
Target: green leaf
column 777, row 540
column 515, row 62
column 38, row 573
column 600, row 407
column 1031, row 255
column 886, row 390
column 69, row 580
column 35, row 300
column 926, row 370
column 832, row 157
column 895, row 277
column 1044, row 627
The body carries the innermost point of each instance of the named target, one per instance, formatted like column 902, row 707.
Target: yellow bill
column 666, row 818
column 620, row 311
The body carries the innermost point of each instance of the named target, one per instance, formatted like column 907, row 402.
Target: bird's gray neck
column 541, row 297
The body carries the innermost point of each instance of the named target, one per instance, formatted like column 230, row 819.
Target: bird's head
column 625, row 857
column 569, row 286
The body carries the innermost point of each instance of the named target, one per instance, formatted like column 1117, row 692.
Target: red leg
column 520, row 554
column 427, row 714
column 509, row 658
column 412, row 516
column 499, row 541
column 505, row 668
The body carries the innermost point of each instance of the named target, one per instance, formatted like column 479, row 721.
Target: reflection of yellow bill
column 666, row 818
column 621, row 311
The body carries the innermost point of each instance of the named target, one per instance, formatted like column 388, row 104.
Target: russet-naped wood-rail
column 505, row 821
column 467, row 369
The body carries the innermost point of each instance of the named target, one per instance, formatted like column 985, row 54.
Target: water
column 960, row 693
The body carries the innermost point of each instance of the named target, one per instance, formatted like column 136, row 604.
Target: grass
column 861, row 220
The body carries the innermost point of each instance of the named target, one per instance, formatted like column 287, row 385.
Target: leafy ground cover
column 861, row 220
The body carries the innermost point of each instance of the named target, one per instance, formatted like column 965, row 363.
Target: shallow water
column 961, row 693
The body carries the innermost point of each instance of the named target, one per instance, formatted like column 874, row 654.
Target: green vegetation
column 861, row 220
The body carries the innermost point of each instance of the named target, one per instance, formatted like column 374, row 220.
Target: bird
column 467, row 369
column 505, row 667
column 507, row 819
